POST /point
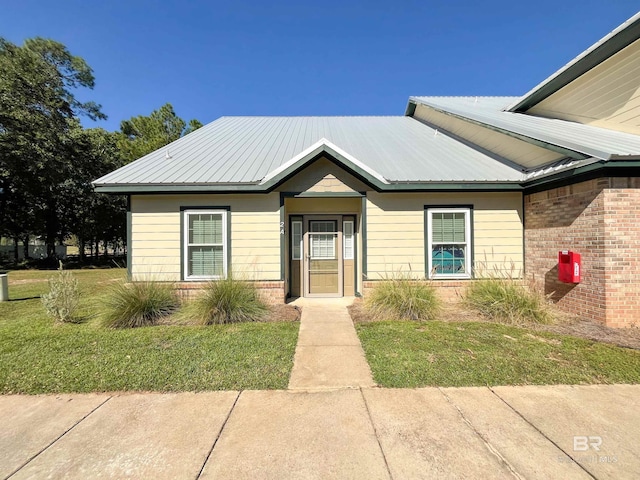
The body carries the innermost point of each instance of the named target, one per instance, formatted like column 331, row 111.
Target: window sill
column 450, row 277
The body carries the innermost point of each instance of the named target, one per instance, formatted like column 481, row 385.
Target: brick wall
column 596, row 219
column 271, row 292
column 447, row 289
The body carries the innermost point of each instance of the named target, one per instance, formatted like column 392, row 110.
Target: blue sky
column 213, row 58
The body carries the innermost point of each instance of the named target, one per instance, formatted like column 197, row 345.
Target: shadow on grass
column 23, row 299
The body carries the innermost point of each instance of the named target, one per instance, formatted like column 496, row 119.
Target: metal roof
column 609, row 45
column 260, row 151
column 559, row 135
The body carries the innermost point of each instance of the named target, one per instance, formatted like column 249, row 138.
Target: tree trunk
column 51, row 221
column 25, row 246
column 16, row 251
column 81, row 248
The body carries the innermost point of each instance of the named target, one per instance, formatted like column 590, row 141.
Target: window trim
column 429, row 211
column 184, row 242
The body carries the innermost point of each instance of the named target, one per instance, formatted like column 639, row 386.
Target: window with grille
column 205, row 244
column 348, row 239
column 449, row 243
column 296, row 240
column 322, row 239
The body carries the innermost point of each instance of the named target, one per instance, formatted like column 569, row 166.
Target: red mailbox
column 569, row 266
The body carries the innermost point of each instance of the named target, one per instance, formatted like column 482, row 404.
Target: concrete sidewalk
column 328, row 354
column 369, row 433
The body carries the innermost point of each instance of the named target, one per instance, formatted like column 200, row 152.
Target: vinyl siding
column 156, row 234
column 606, row 96
column 396, row 237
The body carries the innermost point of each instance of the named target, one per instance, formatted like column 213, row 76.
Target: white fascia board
column 322, row 145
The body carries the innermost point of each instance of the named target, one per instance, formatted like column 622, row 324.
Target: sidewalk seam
column 541, row 432
column 42, row 450
column 375, row 432
column 215, row 442
column 486, row 442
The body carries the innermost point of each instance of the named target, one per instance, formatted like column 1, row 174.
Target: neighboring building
column 459, row 186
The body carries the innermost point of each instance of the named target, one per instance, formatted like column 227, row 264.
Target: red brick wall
column 271, row 292
column 595, row 219
column 622, row 252
column 447, row 289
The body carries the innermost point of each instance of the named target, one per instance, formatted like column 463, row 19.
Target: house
column 458, row 186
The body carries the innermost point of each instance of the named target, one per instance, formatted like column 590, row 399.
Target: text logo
column 582, row 443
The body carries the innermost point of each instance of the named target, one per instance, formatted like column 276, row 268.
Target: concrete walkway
column 329, row 354
column 368, row 433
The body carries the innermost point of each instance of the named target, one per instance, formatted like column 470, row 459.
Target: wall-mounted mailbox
column 569, row 267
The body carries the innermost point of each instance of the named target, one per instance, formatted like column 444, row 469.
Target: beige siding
column 323, row 176
column 395, row 231
column 606, row 96
column 322, row 205
column 156, row 234
column 510, row 148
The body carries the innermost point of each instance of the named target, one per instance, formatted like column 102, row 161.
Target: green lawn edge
column 405, row 354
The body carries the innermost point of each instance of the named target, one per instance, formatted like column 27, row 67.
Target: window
column 205, row 244
column 347, row 239
column 449, row 246
column 322, row 238
column 296, row 240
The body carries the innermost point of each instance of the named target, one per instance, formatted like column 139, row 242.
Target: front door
column 323, row 257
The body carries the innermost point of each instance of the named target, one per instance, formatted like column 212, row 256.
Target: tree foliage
column 48, row 160
column 144, row 134
column 37, row 108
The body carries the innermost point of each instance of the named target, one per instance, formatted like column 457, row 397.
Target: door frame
column 306, row 255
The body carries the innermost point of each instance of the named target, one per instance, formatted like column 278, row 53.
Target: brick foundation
column 598, row 219
column 448, row 290
column 271, row 292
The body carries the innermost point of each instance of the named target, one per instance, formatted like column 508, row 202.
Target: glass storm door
column 323, row 257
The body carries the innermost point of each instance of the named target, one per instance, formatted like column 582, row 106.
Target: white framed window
column 449, row 242
column 205, row 244
column 322, row 239
column 296, row 240
column 348, row 240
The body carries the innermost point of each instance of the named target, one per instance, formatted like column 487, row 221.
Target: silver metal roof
column 587, row 140
column 252, row 150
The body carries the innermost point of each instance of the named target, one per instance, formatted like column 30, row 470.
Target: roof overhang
column 575, row 152
column 620, row 38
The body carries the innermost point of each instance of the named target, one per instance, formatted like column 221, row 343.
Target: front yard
column 435, row 353
column 39, row 356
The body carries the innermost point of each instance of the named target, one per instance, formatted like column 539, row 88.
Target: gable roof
column 575, row 140
column 621, row 37
column 257, row 153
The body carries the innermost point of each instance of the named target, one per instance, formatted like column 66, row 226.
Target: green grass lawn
column 414, row 354
column 38, row 356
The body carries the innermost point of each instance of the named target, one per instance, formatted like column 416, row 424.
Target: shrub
column 229, row 300
column 507, row 300
column 62, row 300
column 402, row 298
column 138, row 304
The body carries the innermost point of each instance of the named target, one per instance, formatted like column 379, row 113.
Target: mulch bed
column 283, row 313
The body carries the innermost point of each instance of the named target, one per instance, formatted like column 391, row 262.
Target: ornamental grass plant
column 138, row 304
column 228, row 300
column 401, row 297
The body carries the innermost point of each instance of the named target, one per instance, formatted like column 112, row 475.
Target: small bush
column 138, row 304
column 62, row 300
column 506, row 300
column 226, row 301
column 402, row 298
